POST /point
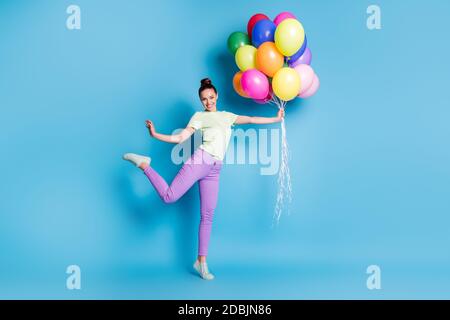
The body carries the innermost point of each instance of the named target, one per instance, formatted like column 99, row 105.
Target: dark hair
column 206, row 84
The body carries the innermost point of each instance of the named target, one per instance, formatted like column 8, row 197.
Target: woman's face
column 209, row 98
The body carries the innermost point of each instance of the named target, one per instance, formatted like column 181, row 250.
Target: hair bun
column 206, row 82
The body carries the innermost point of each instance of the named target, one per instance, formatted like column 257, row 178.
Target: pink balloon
column 282, row 16
column 266, row 99
column 306, row 74
column 255, row 84
column 263, row 101
column 313, row 89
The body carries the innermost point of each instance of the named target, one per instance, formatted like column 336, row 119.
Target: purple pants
column 201, row 167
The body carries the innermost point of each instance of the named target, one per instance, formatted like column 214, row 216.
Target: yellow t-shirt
column 216, row 130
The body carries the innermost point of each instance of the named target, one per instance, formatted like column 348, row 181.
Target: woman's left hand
column 151, row 127
column 280, row 114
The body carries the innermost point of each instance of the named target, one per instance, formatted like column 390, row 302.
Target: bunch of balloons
column 274, row 60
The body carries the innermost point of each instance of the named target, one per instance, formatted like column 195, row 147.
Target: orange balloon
column 268, row 59
column 237, row 85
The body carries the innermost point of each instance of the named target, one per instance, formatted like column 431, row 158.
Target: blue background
column 369, row 153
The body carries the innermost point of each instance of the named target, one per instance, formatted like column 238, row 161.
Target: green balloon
column 236, row 40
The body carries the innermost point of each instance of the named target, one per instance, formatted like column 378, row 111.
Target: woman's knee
column 169, row 196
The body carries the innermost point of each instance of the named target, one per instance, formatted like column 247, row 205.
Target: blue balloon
column 263, row 31
column 299, row 53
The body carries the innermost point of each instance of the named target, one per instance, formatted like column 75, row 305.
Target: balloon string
column 284, row 177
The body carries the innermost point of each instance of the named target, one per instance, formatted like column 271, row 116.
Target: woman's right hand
column 280, row 114
column 151, row 127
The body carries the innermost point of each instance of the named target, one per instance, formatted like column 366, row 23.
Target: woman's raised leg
column 190, row 172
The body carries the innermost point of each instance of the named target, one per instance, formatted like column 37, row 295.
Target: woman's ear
column 217, row 96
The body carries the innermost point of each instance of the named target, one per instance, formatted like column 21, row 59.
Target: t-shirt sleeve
column 230, row 117
column 195, row 121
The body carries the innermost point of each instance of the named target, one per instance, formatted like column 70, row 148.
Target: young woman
column 203, row 166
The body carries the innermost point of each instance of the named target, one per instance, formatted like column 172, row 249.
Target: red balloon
column 253, row 20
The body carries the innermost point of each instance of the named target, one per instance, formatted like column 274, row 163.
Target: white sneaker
column 136, row 159
column 202, row 269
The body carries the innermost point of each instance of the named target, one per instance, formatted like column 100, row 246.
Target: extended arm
column 260, row 120
column 174, row 138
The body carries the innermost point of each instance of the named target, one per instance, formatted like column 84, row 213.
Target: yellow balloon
column 246, row 57
column 289, row 36
column 286, row 83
